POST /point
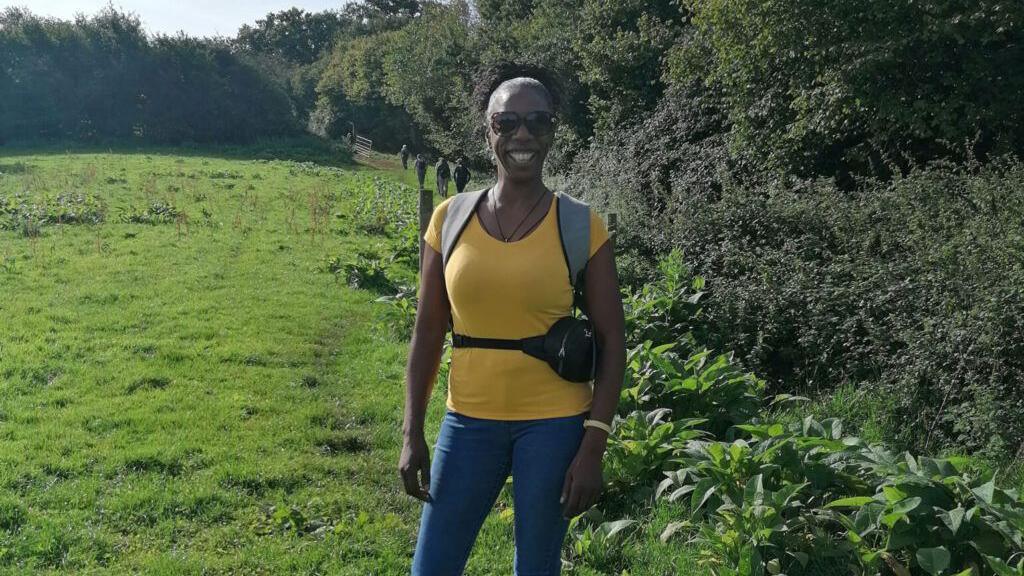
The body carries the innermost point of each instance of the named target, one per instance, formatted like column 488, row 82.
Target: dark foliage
column 103, row 78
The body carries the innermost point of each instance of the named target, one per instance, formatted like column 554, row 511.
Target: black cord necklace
column 498, row 220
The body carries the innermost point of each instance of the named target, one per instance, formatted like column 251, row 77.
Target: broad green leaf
column 891, row 519
column 985, row 491
column 852, row 502
column 704, row 490
column 952, row 519
column 611, row 529
column 906, row 506
column 672, row 528
column 893, row 494
column 754, row 491
column 933, row 560
column 1000, row 567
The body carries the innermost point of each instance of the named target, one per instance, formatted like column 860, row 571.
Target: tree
column 850, row 88
column 428, row 67
column 294, row 34
column 622, row 46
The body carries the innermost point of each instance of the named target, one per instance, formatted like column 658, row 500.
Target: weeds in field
column 27, row 214
column 157, row 212
column 389, row 210
column 403, row 310
column 363, row 271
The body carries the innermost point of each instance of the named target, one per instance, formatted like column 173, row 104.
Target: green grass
column 200, row 399
column 160, row 392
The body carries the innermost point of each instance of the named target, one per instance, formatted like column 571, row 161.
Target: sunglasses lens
column 540, row 123
column 505, row 123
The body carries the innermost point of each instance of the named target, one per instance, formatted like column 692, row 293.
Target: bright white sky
column 195, row 17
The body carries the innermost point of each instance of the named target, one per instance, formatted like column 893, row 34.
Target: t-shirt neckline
column 536, row 229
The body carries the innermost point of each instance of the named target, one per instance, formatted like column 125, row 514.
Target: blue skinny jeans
column 472, row 459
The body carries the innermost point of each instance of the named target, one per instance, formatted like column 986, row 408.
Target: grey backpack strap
column 574, row 228
column 460, row 210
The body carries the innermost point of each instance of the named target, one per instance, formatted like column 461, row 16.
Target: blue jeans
column 472, row 459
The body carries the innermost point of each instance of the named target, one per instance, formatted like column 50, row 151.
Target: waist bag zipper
column 561, row 351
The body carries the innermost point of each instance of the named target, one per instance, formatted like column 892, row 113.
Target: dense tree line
column 103, row 77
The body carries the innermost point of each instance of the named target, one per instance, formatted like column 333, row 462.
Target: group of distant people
column 442, row 170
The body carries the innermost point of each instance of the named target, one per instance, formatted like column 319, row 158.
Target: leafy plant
column 641, row 448
column 364, row 272
column 701, row 386
column 599, row 544
column 403, row 306
column 158, row 212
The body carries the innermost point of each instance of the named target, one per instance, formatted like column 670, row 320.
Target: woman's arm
column 583, row 482
column 432, row 315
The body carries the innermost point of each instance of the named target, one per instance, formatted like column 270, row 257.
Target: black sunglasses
column 539, row 123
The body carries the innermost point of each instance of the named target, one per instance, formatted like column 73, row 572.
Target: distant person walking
column 443, row 174
column 421, row 169
column 405, row 157
column 462, row 175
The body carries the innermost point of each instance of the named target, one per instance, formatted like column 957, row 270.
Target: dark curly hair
column 488, row 79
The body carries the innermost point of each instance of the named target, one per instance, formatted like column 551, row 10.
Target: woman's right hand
column 414, row 467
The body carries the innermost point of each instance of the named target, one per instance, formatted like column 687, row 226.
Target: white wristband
column 598, row 424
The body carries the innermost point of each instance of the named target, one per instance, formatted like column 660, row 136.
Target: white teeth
column 521, row 157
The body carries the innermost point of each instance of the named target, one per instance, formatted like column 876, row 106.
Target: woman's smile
column 521, row 157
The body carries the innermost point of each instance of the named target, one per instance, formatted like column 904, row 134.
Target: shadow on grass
column 297, row 149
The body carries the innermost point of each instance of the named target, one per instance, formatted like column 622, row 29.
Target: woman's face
column 520, row 154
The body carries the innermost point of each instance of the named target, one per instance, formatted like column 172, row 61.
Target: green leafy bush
column 910, row 288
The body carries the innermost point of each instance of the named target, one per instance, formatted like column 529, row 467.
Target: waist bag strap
column 534, row 345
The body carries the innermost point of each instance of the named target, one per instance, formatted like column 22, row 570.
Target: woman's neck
column 517, row 194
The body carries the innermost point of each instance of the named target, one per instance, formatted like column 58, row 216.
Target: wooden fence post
column 426, row 209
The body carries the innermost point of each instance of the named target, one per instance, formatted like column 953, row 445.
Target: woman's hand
column 583, row 481
column 414, row 467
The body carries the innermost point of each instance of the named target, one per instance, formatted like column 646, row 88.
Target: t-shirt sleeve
column 433, row 234
column 598, row 232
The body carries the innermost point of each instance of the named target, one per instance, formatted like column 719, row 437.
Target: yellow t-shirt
column 510, row 291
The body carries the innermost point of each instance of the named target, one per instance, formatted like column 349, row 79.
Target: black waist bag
column 568, row 347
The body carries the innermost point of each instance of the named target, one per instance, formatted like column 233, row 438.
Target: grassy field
column 184, row 390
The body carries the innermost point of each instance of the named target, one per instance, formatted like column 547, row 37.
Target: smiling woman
column 505, row 276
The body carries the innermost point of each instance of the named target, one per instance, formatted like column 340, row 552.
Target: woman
column 508, row 412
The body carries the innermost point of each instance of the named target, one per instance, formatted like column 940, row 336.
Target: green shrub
column 911, row 287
